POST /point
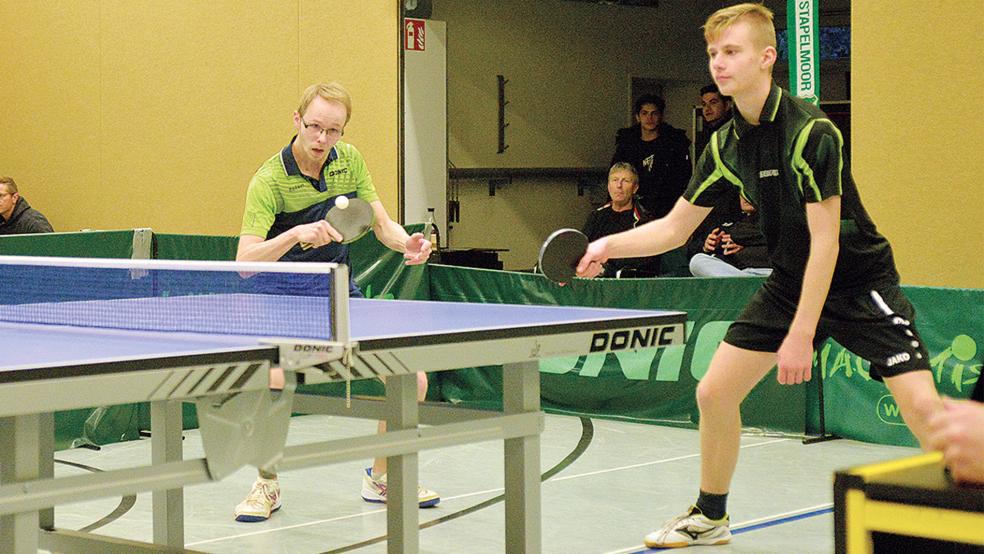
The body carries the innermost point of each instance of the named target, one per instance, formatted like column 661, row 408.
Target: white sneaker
column 263, row 499
column 374, row 490
column 690, row 529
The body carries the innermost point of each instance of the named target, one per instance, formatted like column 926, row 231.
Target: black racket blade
column 352, row 222
column 560, row 254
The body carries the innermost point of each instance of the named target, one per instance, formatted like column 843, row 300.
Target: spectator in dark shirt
column 17, row 217
column 660, row 154
column 735, row 249
column 716, row 109
column 620, row 214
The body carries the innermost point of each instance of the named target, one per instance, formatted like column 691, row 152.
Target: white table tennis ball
column 341, row 202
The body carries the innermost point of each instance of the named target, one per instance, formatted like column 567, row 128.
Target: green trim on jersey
column 793, row 157
column 274, row 189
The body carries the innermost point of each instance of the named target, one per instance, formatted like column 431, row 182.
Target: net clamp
column 298, row 355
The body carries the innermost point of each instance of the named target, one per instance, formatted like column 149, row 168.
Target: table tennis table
column 49, row 366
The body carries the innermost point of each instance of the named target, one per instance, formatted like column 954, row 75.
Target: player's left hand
column 795, row 360
column 418, row 249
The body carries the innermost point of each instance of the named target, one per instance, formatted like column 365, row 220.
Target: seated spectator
column 620, row 214
column 17, row 217
column 735, row 249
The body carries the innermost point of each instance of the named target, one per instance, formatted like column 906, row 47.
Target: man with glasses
column 286, row 202
column 17, row 217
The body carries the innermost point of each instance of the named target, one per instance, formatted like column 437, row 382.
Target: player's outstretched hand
column 592, row 263
column 317, row 234
column 418, row 249
column 958, row 431
column 795, row 360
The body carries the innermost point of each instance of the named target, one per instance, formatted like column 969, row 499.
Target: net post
column 340, row 304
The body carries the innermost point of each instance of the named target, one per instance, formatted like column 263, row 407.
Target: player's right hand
column 317, row 234
column 593, row 261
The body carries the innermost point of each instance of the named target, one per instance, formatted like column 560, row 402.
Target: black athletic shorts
column 877, row 325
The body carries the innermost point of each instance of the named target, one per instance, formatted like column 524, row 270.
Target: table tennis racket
column 352, row 221
column 560, row 254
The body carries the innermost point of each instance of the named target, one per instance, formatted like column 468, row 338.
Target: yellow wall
column 918, row 129
column 156, row 114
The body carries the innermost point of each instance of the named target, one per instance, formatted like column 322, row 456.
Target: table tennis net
column 141, row 298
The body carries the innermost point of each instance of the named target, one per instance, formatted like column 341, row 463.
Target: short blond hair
column 626, row 167
column 758, row 17
column 10, row 184
column 333, row 92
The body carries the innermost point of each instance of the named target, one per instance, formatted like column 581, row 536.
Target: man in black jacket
column 660, row 154
column 17, row 217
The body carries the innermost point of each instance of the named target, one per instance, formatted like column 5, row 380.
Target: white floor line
column 740, row 526
column 466, row 495
column 655, row 462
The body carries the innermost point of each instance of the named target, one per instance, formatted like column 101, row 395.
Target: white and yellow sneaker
column 374, row 490
column 690, row 529
column 263, row 499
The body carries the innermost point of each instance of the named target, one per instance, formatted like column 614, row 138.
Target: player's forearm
column 393, row 235
column 266, row 250
column 658, row 236
column 650, row 239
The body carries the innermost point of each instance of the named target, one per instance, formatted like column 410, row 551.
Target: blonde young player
column 834, row 274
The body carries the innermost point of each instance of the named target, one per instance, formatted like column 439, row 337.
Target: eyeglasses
column 315, row 130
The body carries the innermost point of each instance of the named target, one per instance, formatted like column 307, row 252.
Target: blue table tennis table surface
column 213, row 325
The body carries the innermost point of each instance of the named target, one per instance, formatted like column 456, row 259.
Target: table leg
column 402, row 530
column 165, row 446
column 521, row 393
column 20, row 460
column 46, row 443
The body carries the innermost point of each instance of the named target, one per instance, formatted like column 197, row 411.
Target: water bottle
column 431, row 231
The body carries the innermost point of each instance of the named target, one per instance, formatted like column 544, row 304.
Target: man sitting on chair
column 621, row 213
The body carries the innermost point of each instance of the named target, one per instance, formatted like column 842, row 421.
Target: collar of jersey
column 768, row 115
column 291, row 168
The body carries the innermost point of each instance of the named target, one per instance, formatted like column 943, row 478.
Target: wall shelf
column 498, row 176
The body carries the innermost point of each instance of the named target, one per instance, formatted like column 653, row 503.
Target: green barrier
column 658, row 386
column 951, row 323
column 194, row 247
column 129, row 243
column 654, row 386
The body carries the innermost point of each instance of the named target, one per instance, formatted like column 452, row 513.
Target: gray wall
column 569, row 66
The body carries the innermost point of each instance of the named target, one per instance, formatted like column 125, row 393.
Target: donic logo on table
column 632, row 339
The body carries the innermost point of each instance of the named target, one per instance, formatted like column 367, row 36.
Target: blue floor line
column 758, row 526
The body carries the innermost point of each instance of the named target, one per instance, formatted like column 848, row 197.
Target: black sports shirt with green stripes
column 794, row 156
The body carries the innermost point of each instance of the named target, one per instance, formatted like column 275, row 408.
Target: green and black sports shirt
column 793, row 157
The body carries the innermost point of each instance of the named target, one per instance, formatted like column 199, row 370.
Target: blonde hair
column 628, row 168
column 333, row 92
column 758, row 17
column 9, row 182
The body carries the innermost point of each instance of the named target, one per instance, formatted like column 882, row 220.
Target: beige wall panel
column 122, row 114
column 357, row 44
column 196, row 96
column 917, row 129
column 49, row 93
